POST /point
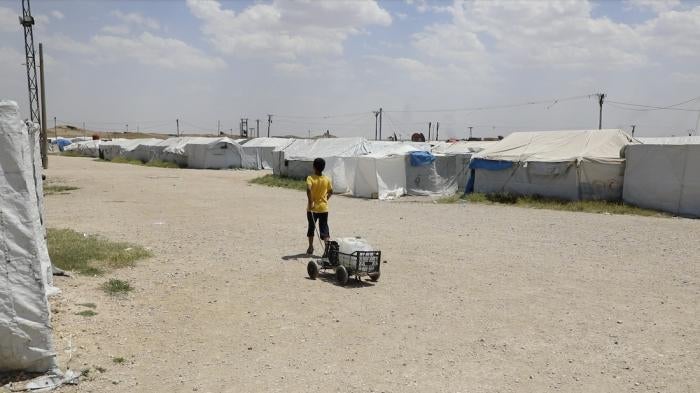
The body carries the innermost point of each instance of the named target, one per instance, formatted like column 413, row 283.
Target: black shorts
column 322, row 219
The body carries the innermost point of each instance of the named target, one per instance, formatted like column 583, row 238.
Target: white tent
column 296, row 159
column 205, row 153
column 664, row 177
column 85, row 148
column 461, row 147
column 671, row 140
column 142, row 149
column 377, row 176
column 435, row 178
column 259, row 150
column 25, row 271
column 125, row 148
column 570, row 165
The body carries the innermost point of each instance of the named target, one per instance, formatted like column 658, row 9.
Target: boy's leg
column 310, row 232
column 323, row 229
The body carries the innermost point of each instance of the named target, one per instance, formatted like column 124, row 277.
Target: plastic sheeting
column 433, row 177
column 664, row 177
column 25, row 271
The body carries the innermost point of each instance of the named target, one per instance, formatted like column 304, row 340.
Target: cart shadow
column 297, row 257
column 329, row 277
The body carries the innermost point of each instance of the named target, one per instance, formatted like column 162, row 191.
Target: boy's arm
column 329, row 193
column 309, row 201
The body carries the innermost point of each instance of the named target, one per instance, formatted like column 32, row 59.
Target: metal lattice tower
column 27, row 21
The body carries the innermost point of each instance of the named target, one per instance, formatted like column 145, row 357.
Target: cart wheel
column 341, row 275
column 312, row 269
column 374, row 276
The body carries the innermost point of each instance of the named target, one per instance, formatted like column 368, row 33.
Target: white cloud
column 147, row 49
column 56, row 14
column 286, row 29
column 11, row 57
column 556, row 34
column 291, row 68
column 657, row 6
column 414, row 69
column 116, row 29
column 137, row 19
column 674, row 33
column 9, row 21
column 63, row 43
column 41, row 20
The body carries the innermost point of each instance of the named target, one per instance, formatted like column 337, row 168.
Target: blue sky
column 327, row 65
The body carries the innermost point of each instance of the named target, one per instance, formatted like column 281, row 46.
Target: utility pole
column 55, row 131
column 437, row 130
column 376, row 123
column 244, row 127
column 430, row 128
column 470, row 132
column 380, row 123
column 269, row 121
column 633, row 127
column 257, row 127
column 218, row 127
column 601, row 98
column 177, row 126
column 84, row 130
column 27, row 21
column 43, row 147
column 127, row 127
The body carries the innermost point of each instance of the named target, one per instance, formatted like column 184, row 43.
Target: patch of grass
column 124, row 160
column 280, row 181
column 118, row 360
column 116, row 287
column 538, row 202
column 51, row 189
column 88, row 305
column 86, row 313
column 100, row 369
column 162, row 164
column 72, row 153
column 90, row 254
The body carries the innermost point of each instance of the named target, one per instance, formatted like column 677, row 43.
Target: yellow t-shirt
column 320, row 186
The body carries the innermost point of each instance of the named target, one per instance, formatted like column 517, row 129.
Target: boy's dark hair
column 319, row 164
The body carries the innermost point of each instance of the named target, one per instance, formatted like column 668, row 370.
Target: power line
column 552, row 102
column 648, row 108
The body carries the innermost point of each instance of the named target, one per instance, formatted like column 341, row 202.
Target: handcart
column 346, row 264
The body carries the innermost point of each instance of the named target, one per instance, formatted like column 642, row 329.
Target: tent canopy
column 559, row 146
column 309, row 149
column 671, row 140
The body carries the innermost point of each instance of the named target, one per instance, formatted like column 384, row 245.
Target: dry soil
column 472, row 298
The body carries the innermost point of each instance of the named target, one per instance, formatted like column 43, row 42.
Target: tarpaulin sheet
column 421, row 158
column 25, row 268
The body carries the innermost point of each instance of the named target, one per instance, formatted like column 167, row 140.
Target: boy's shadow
column 296, row 257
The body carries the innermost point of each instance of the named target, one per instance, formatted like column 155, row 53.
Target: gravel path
column 473, row 298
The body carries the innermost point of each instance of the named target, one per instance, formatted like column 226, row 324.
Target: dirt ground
column 472, row 298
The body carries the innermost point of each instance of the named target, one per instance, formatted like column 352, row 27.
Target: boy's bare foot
column 310, row 251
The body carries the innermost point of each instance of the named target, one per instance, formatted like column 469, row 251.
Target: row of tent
column 656, row 173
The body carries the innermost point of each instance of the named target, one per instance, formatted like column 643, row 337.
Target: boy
column 318, row 192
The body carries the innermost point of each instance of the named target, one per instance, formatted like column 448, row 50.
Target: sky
column 496, row 66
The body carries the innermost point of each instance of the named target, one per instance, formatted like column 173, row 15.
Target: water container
column 348, row 245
